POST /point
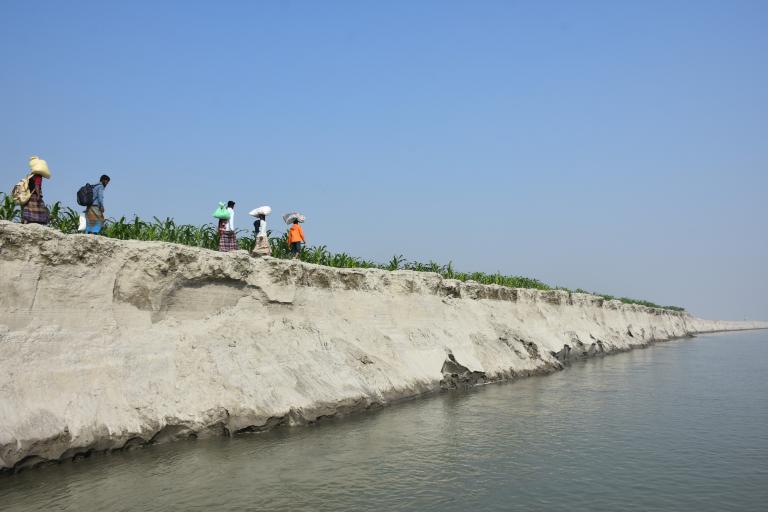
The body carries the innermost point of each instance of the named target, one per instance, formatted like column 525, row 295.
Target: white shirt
column 231, row 222
column 262, row 228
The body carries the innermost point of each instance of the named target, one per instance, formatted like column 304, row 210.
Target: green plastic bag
column 221, row 212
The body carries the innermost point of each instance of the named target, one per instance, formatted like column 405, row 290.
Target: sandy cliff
column 107, row 344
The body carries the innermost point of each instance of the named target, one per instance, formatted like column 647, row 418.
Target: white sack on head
column 261, row 210
column 39, row 166
column 290, row 217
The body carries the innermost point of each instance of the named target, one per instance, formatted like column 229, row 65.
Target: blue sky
column 615, row 146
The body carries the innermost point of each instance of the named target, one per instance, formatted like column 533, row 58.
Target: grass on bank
column 67, row 219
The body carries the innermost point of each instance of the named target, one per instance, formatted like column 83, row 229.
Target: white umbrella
column 290, row 217
column 261, row 210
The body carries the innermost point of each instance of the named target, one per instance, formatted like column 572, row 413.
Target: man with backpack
column 92, row 197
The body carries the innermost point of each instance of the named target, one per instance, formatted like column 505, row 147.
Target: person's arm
column 231, row 219
column 301, row 232
column 98, row 196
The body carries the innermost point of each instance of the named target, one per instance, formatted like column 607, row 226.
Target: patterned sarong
column 262, row 247
column 94, row 219
column 227, row 241
column 35, row 211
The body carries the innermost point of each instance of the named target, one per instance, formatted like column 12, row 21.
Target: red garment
column 36, row 183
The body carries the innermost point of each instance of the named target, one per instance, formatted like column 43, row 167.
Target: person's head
column 262, row 216
column 104, row 180
column 295, row 221
column 230, row 204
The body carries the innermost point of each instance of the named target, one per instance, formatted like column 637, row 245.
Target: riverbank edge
column 40, row 243
column 452, row 382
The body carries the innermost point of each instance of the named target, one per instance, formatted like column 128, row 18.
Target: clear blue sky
column 616, row 146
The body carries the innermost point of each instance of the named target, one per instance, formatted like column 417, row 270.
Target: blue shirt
column 98, row 195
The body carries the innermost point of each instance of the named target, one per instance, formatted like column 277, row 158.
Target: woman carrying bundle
column 261, row 247
column 34, row 210
column 227, row 238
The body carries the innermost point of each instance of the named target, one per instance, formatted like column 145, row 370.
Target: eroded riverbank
column 108, row 344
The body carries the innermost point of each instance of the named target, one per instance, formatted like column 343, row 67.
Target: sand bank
column 108, row 344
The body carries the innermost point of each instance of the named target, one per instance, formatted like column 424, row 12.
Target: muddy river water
column 678, row 426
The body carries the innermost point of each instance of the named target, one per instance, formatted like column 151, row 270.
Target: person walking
column 227, row 238
column 34, row 210
column 296, row 239
column 94, row 213
column 261, row 248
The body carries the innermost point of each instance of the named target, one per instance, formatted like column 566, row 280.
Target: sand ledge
column 108, row 344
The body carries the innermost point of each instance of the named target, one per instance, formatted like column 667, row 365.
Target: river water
column 679, row 426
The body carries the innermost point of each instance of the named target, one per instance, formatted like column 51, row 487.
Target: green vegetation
column 9, row 210
column 66, row 220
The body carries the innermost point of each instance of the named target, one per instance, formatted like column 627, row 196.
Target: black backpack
column 85, row 195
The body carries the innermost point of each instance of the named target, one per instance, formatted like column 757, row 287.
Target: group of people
column 28, row 193
column 228, row 235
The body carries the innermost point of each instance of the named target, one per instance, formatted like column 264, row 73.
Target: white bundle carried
column 290, row 217
column 39, row 166
column 261, row 210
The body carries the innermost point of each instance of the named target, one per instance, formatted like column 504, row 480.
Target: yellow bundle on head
column 39, row 166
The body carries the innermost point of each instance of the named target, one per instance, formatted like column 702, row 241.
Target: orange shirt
column 295, row 234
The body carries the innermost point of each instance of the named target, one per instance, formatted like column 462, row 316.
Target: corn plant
column 245, row 243
column 279, row 246
column 65, row 219
column 396, row 262
column 318, row 255
column 9, row 210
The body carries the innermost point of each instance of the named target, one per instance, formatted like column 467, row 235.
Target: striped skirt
column 227, row 241
column 35, row 211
